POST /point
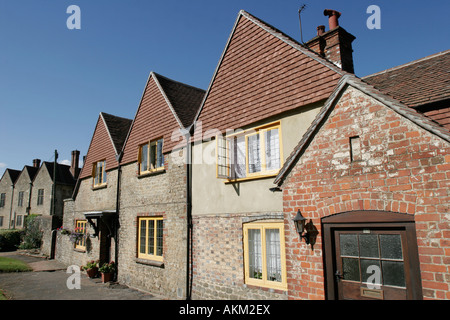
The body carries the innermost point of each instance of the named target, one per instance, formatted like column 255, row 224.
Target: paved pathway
column 48, row 281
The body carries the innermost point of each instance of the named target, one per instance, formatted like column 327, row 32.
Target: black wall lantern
column 300, row 223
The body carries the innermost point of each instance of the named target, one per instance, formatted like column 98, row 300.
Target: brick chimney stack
column 334, row 44
column 74, row 169
column 36, row 163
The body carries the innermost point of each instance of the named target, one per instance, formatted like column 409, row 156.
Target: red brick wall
column 403, row 168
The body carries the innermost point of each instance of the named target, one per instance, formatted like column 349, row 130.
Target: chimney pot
column 74, row 163
column 336, row 44
column 333, row 17
column 36, row 163
column 320, row 30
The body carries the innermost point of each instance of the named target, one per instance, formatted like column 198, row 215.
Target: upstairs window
column 2, row 200
column 99, row 173
column 252, row 153
column 40, row 199
column 151, row 157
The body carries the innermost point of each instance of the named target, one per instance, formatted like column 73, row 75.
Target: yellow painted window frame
column 146, row 255
column 80, row 226
column 150, row 167
column 261, row 130
column 103, row 181
column 263, row 282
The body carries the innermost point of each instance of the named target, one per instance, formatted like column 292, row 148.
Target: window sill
column 79, row 250
column 279, row 290
column 230, row 181
column 152, row 263
column 151, row 173
column 101, row 186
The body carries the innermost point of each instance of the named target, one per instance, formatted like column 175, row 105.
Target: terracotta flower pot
column 107, row 277
column 92, row 273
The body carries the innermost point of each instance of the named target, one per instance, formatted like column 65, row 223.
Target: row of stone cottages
column 289, row 178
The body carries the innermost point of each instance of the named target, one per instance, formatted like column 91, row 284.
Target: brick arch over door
column 377, row 225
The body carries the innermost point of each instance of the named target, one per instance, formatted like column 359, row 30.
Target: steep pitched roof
column 63, row 174
column 106, row 143
column 417, row 83
column 263, row 72
column 165, row 107
column 184, row 99
column 13, row 174
column 117, row 128
column 393, row 104
column 32, row 171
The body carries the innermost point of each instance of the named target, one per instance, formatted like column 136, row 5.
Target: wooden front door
column 371, row 264
column 371, row 255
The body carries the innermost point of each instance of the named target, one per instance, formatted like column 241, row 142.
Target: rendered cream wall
column 211, row 195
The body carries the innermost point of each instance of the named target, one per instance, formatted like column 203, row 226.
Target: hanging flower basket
column 74, row 236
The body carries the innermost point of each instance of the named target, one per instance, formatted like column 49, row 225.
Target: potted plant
column 91, row 268
column 107, row 270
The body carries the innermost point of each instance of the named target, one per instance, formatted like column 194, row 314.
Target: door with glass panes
column 371, row 259
column 371, row 264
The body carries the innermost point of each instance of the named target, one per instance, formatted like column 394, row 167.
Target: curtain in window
column 254, row 158
column 239, row 157
column 272, row 146
column 151, row 237
column 104, row 172
column 160, row 156
column 153, row 148
column 273, row 255
column 255, row 253
column 144, row 157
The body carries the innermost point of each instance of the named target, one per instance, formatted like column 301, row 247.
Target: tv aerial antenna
column 302, row 8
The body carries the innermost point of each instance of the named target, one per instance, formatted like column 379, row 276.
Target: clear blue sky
column 54, row 82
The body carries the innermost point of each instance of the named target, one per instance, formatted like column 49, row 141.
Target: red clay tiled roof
column 263, row 73
column 166, row 106
column 417, row 83
column 118, row 129
column 184, row 99
column 109, row 132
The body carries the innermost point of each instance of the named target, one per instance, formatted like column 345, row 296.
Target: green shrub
column 32, row 236
column 10, row 239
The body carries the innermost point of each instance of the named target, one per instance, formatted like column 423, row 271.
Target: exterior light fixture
column 300, row 224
